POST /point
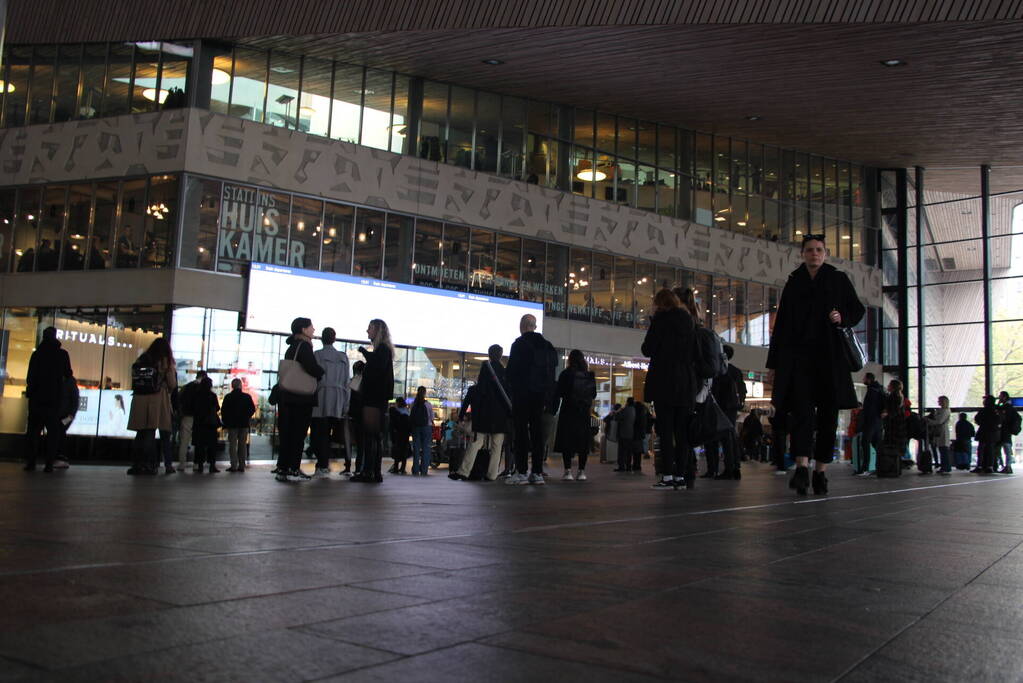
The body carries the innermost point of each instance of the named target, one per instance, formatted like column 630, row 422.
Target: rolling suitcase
column 889, row 461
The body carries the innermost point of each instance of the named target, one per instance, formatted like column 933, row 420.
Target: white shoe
column 321, row 473
column 516, row 480
column 780, row 473
column 536, row 479
column 581, row 476
column 567, row 476
column 60, row 464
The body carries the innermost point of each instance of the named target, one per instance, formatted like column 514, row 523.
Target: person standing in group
column 670, row 343
column 573, row 401
column 937, row 427
column 48, row 368
column 204, row 429
column 1010, row 428
column 895, row 421
column 751, row 435
column 186, row 401
column 376, row 391
column 354, row 419
column 962, row 447
column 69, row 400
column 531, row 366
column 332, row 396
column 812, row 379
column 729, row 391
column 869, row 422
column 295, row 409
column 989, row 436
column 491, row 410
column 421, row 419
column 236, row 412
column 626, row 421
column 400, row 426
column 154, row 377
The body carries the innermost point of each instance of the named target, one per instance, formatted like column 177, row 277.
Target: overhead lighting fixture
column 719, row 219
column 893, row 62
column 362, row 237
column 220, row 77
column 8, row 87
column 741, row 224
column 585, row 171
column 753, row 117
column 307, row 112
column 150, row 94
column 846, row 237
column 493, row 62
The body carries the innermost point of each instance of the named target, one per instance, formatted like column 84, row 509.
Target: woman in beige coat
column 154, row 378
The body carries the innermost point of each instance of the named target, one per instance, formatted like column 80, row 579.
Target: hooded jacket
column 670, row 344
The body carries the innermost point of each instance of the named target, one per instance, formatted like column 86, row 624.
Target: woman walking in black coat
column 671, row 386
column 812, row 379
column 205, row 427
column 376, row 390
column 576, row 389
column 989, row 434
column 294, row 410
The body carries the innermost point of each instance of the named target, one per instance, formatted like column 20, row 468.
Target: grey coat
column 332, row 392
column 937, row 426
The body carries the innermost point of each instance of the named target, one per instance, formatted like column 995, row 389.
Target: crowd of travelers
column 692, row 397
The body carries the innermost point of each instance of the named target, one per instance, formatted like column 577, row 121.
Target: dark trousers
column 728, row 445
column 292, row 425
column 567, row 459
column 527, row 413
column 37, row 419
column 143, row 452
column 812, row 410
column 323, row 430
column 167, row 447
column 779, row 440
column 677, row 457
column 637, row 455
column 870, row 435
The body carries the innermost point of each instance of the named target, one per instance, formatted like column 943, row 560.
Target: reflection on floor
column 238, row 577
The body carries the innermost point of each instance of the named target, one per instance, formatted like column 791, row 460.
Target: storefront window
column 602, row 288
column 253, row 227
column 305, row 233
column 580, row 298
column 101, row 245
column 161, row 217
column 398, row 248
column 624, row 285
column 481, row 262
column 556, row 287
column 509, row 260
column 337, row 238
column 75, row 245
column 454, row 257
column 369, row 242
column 427, row 259
column 645, row 288
column 534, row 266
column 202, row 210
column 7, row 206
column 132, row 224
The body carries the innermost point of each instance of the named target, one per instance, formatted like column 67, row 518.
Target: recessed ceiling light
column 892, row 62
column 493, row 62
column 753, row 117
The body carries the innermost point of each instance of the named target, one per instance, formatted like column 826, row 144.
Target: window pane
column 542, row 119
column 643, row 293
column 606, row 133
column 509, row 255
column 42, row 84
column 433, row 127
column 957, row 261
column 481, row 262
column 1007, row 345
column 115, row 99
column 427, row 256
column 144, row 96
column 557, row 281
column 704, row 155
column 337, row 238
column 513, row 115
column 624, row 286
column 534, row 265
column 460, row 122
column 488, row 123
column 347, row 106
column 220, row 93
column 254, row 227
column 369, row 242
column 7, row 199
column 201, row 213
column 758, row 316
column 26, row 228
column 305, row 233
column 399, row 117
column 174, row 75
column 580, row 300
column 16, row 97
column 646, row 143
column 94, row 69
column 161, row 217
column 627, row 132
column 282, row 95
column 132, row 224
column 647, row 196
column 950, row 344
column 1004, row 378
column 51, row 228
column 583, row 135
column 703, row 285
column 398, row 248
column 102, row 244
column 66, row 88
column 1006, row 293
column 665, row 191
column 314, row 104
column 964, row 386
column 738, row 297
column 666, row 147
column 77, row 237
column 376, row 112
column 602, row 288
column 248, row 87
column 454, row 257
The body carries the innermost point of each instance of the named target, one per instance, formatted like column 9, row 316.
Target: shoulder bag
column 293, row 378
column 851, row 348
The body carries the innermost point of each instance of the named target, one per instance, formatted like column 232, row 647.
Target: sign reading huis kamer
column 254, row 228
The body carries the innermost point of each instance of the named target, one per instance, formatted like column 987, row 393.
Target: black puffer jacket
column 670, row 344
column 48, row 367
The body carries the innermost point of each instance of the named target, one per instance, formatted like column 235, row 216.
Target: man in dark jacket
column 531, row 366
column 869, row 421
column 1010, row 428
column 48, row 367
column 962, row 447
column 626, row 421
column 729, row 391
column 235, row 413
column 488, row 404
column 186, row 405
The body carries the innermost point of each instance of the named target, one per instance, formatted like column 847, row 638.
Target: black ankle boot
column 800, row 480
column 820, row 484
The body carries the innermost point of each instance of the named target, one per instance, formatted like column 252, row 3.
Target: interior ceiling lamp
column 150, row 94
column 307, row 112
column 220, row 77
column 8, row 87
column 586, row 171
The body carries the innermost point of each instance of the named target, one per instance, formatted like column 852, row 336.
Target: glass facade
column 714, row 180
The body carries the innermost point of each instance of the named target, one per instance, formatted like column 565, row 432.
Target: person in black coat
column 205, row 427
column 869, row 421
column 489, row 405
column 573, row 400
column 236, row 412
column 962, row 446
column 400, row 426
column 48, row 368
column 989, row 434
column 729, row 391
column 531, row 365
column 812, row 379
column 376, row 389
column 295, row 411
column 671, row 386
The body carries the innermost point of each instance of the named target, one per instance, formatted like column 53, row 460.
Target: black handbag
column 708, row 422
column 851, row 349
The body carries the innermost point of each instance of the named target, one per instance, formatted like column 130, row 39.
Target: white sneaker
column 516, row 480
column 567, row 476
column 536, row 479
column 581, row 476
column 60, row 464
column 321, row 473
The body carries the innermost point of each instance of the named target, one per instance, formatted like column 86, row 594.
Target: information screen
column 417, row 316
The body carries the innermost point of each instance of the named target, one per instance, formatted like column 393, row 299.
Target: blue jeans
column 421, row 437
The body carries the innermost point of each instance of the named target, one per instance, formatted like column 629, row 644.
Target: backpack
column 729, row 396
column 541, row 373
column 584, row 389
column 916, row 428
column 1013, row 422
column 145, row 376
column 710, row 360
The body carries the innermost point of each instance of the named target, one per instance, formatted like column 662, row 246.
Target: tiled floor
column 239, row 578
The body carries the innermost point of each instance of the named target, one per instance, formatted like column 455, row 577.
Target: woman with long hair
column 671, row 386
column 152, row 410
column 376, row 391
column 295, row 411
column 421, row 419
column 576, row 389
